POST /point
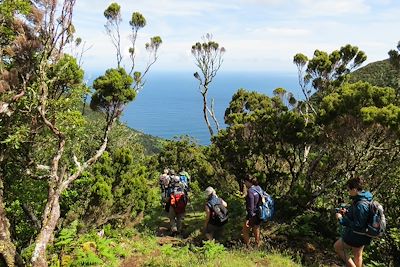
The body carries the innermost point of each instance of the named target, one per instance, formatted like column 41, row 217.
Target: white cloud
column 333, row 7
column 281, row 31
column 257, row 34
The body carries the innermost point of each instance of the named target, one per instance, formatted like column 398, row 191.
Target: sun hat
column 209, row 190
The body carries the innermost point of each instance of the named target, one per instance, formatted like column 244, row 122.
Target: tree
column 346, row 131
column 263, row 138
column 322, row 74
column 112, row 92
column 18, row 46
column 209, row 58
column 394, row 59
column 46, row 120
column 394, row 56
column 137, row 22
column 113, row 16
column 115, row 190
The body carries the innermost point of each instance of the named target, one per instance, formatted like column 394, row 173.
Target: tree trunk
column 205, row 114
column 7, row 248
column 51, row 216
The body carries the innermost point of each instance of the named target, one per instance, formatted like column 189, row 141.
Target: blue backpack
column 376, row 223
column 185, row 181
column 266, row 208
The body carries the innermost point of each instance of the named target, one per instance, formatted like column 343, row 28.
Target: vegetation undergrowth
column 123, row 247
column 209, row 254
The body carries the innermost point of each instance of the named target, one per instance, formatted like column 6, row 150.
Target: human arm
column 360, row 216
column 208, row 214
column 356, row 217
column 250, row 204
column 224, row 203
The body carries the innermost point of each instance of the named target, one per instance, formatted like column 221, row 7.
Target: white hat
column 209, row 190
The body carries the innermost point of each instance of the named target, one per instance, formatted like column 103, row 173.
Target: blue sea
column 170, row 103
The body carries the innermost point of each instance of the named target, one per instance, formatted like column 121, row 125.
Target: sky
column 258, row 35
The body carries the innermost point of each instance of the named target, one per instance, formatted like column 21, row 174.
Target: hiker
column 164, row 182
column 185, row 179
column 252, row 220
column 216, row 214
column 177, row 202
column 355, row 220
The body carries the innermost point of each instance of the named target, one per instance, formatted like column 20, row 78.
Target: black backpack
column 219, row 213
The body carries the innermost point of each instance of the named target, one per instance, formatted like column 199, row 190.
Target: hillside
column 379, row 73
column 151, row 144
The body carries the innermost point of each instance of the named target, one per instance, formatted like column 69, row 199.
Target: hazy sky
column 258, row 35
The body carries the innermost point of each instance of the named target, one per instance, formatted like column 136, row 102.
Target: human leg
column 218, row 233
column 172, row 220
column 340, row 248
column 357, row 252
column 246, row 234
column 179, row 219
column 209, row 232
column 256, row 231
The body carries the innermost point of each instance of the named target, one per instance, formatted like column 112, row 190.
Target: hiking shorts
column 214, row 230
column 354, row 242
column 254, row 221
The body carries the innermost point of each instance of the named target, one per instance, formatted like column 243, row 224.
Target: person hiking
column 252, row 220
column 164, row 183
column 216, row 214
column 177, row 202
column 355, row 220
column 185, row 179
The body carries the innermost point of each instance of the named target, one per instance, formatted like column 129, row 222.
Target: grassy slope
column 379, row 73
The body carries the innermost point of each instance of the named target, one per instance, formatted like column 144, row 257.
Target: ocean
column 170, row 103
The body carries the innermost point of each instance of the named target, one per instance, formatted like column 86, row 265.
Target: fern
column 110, row 250
column 87, row 258
column 67, row 235
column 211, row 249
column 104, row 248
column 120, row 251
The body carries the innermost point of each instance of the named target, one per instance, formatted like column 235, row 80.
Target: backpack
column 178, row 198
column 184, row 180
column 178, row 202
column 219, row 213
column 376, row 223
column 266, row 206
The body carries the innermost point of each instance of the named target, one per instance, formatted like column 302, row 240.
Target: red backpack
column 178, row 202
